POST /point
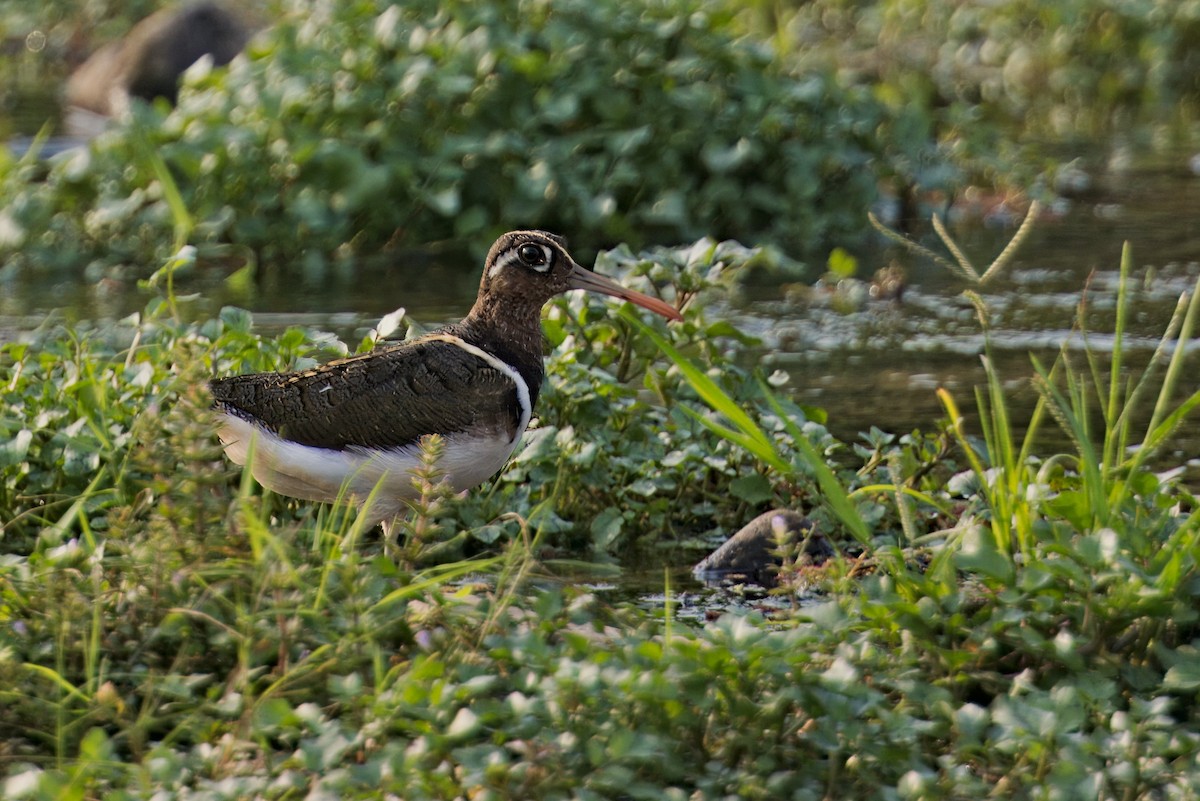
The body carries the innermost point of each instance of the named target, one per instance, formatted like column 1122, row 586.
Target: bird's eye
column 531, row 255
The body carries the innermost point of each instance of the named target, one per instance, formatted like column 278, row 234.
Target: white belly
column 322, row 474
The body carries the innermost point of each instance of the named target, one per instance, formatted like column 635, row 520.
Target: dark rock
column 751, row 552
column 149, row 61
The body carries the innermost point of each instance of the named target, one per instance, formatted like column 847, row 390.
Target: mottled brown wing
column 384, row 399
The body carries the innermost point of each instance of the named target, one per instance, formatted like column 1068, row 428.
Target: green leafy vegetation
column 351, row 127
column 1024, row 621
column 994, row 83
column 75, row 401
column 1002, row 617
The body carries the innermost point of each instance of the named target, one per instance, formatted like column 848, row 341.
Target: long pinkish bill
column 583, row 278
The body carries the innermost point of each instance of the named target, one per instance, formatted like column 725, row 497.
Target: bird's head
column 527, row 268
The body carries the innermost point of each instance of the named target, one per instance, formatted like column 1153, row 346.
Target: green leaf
column 724, row 328
column 979, row 554
column 1074, row 507
column 753, row 489
column 606, row 527
column 465, row 723
column 241, row 281
column 842, row 264
column 273, row 714
column 95, row 746
column 14, row 450
column 1183, row 676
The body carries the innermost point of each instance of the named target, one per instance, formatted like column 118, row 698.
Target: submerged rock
column 751, row 553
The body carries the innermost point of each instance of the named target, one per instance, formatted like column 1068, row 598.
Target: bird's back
column 388, row 398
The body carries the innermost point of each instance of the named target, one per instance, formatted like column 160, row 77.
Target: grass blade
column 705, row 387
column 832, row 491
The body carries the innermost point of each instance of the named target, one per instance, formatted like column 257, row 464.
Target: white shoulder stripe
column 502, row 366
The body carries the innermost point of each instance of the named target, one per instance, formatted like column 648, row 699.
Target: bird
column 352, row 429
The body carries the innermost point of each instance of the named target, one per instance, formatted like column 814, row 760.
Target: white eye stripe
column 547, row 258
column 503, row 260
column 513, row 255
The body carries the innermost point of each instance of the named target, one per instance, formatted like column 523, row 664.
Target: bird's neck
column 514, row 320
column 513, row 334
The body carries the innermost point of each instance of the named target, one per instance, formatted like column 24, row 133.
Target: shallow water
column 881, row 364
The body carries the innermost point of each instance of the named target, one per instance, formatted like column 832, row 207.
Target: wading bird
column 355, row 425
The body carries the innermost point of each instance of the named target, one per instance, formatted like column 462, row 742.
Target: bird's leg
column 388, row 525
column 391, row 533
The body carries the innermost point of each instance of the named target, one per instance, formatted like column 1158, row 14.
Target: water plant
column 370, row 125
column 1063, row 588
column 169, row 629
column 998, row 616
column 1007, row 618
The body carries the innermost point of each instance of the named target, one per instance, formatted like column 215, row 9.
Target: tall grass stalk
column 183, row 255
column 744, row 432
column 150, row 160
column 1110, row 471
column 962, row 265
column 1106, row 461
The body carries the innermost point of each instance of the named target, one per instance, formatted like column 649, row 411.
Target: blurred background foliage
column 1064, row 70
column 350, row 128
